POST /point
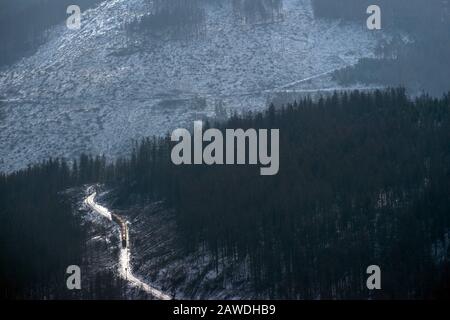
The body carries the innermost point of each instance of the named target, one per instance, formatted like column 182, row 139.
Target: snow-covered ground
column 125, row 267
column 156, row 255
column 93, row 91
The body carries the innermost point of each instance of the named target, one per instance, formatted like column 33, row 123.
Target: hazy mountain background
column 364, row 175
column 135, row 69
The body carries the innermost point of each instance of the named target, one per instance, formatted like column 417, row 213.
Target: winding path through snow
column 125, row 270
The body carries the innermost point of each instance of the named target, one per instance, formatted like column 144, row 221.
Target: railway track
column 125, row 270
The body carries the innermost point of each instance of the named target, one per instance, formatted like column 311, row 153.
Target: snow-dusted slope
column 92, row 90
column 125, row 268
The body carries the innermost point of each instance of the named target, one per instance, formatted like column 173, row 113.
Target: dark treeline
column 23, row 24
column 177, row 18
column 408, row 14
column 186, row 19
column 364, row 179
column 421, row 63
column 257, row 11
column 39, row 235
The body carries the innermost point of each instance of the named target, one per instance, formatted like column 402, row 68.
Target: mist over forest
column 416, row 56
column 364, row 172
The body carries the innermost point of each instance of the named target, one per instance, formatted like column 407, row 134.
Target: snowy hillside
column 94, row 90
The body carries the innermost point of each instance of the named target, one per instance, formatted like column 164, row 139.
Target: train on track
column 123, row 229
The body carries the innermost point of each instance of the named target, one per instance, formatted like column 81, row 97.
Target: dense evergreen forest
column 416, row 54
column 39, row 235
column 23, row 24
column 178, row 19
column 403, row 13
column 185, row 19
column 364, row 179
column 257, row 11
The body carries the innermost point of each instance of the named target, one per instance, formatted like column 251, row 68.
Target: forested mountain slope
column 135, row 69
column 417, row 54
column 364, row 179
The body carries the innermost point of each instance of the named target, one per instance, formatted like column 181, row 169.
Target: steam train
column 123, row 228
